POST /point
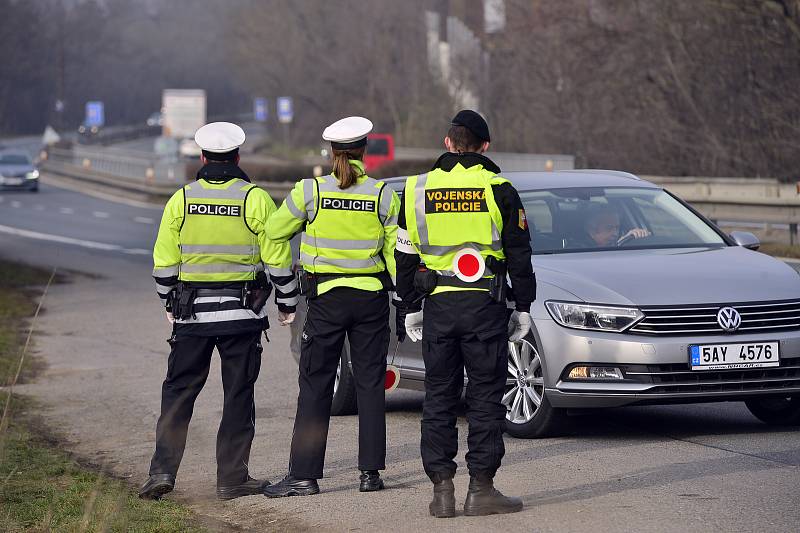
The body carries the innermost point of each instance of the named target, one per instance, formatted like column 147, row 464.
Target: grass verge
column 41, row 487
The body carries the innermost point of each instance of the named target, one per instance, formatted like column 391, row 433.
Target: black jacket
column 515, row 237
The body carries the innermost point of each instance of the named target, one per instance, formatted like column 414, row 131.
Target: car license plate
column 733, row 355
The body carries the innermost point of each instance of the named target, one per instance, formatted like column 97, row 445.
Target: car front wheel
column 776, row 411
column 344, row 389
column 529, row 413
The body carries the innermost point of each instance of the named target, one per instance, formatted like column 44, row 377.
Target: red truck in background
column 380, row 150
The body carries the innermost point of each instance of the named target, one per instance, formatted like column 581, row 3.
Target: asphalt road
column 678, row 468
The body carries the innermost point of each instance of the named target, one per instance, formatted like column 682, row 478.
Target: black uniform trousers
column 464, row 330
column 187, row 370
column 364, row 317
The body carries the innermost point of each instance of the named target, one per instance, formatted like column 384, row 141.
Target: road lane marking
column 93, row 245
column 38, row 207
column 66, row 211
column 100, row 214
column 143, row 220
column 15, row 203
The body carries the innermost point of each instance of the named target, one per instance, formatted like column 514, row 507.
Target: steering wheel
column 626, row 239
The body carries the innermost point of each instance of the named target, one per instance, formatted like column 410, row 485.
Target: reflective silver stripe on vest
column 165, row 272
column 385, row 204
column 342, row 263
column 308, row 198
column 342, row 244
column 220, row 249
column 234, row 192
column 419, row 208
column 331, row 184
column 279, row 272
column 224, row 316
column 450, row 273
column 391, row 221
column 286, row 288
column 287, row 301
column 296, row 212
column 430, row 249
column 163, row 289
column 217, row 268
column 216, row 299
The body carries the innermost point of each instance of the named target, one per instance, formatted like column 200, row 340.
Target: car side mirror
column 745, row 239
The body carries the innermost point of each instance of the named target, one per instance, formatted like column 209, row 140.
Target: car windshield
column 584, row 219
column 14, row 159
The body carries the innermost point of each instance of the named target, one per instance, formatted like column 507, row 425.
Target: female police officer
column 349, row 224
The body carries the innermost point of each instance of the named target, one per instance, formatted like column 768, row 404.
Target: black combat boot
column 292, row 486
column 444, row 497
column 483, row 499
column 156, row 486
column 370, row 481
column 249, row 487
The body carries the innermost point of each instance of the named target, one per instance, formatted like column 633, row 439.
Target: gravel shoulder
column 705, row 468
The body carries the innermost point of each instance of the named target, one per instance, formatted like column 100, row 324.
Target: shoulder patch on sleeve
column 523, row 220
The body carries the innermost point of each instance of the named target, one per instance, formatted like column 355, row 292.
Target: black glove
column 401, row 310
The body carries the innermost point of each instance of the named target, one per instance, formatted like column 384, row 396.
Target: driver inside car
column 602, row 228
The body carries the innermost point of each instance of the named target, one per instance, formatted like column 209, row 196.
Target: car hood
column 15, row 170
column 683, row 276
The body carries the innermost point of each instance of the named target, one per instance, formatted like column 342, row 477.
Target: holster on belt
column 257, row 293
column 183, row 304
column 498, row 288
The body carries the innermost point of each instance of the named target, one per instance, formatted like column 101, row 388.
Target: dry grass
column 41, row 487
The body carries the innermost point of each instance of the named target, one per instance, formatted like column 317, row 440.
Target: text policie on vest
column 215, row 209
column 455, row 201
column 348, row 204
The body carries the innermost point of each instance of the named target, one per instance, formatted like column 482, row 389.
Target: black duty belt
column 453, row 281
column 218, row 292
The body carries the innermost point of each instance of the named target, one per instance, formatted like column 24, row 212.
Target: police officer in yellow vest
column 462, row 229
column 213, row 265
column 349, row 229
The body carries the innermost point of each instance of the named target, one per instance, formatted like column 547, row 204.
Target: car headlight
column 594, row 317
column 32, row 175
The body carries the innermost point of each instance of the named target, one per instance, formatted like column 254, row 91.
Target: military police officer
column 349, row 225
column 462, row 229
column 213, row 265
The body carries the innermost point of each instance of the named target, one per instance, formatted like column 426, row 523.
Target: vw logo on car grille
column 729, row 319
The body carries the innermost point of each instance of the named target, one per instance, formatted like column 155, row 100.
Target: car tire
column 524, row 388
column 344, row 389
column 776, row 411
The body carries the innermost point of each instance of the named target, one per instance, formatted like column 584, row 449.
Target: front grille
column 757, row 317
column 677, row 378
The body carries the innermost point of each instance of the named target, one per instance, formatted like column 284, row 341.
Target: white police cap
column 219, row 137
column 350, row 132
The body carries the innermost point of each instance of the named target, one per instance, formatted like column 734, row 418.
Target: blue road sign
column 95, row 115
column 285, row 109
column 260, row 109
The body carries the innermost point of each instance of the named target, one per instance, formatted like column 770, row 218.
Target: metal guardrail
column 754, row 200
column 508, row 161
column 136, row 172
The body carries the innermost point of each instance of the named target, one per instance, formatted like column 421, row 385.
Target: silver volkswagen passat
column 640, row 300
